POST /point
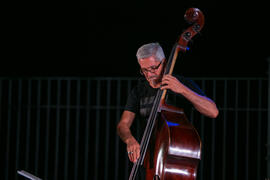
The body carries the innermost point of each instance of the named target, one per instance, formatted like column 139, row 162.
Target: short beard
column 154, row 80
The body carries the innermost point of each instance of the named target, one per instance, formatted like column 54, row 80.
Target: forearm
column 201, row 103
column 124, row 133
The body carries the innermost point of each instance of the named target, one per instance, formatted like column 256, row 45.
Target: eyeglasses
column 151, row 69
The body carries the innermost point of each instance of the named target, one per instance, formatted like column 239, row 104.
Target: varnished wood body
column 177, row 149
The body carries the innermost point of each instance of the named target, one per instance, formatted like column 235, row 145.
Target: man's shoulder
column 183, row 79
column 187, row 81
column 141, row 82
column 138, row 85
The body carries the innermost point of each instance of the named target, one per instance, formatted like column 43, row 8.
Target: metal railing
column 65, row 128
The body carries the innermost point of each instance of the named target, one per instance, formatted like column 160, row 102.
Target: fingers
column 133, row 152
column 168, row 78
column 130, row 155
column 172, row 83
column 134, row 155
column 166, row 83
column 164, row 86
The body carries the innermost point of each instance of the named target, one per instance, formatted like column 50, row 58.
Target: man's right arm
column 123, row 130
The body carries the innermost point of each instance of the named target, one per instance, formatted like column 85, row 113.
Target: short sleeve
column 132, row 103
column 191, row 85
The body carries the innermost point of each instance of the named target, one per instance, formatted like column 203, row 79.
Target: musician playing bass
column 182, row 92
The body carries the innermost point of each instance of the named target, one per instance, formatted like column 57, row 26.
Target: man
column 151, row 59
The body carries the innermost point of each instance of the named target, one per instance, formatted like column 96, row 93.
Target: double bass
column 175, row 149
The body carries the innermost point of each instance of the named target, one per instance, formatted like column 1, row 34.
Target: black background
column 101, row 38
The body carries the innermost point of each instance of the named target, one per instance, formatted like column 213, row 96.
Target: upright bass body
column 177, row 149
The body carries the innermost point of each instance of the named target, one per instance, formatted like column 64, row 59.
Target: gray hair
column 151, row 49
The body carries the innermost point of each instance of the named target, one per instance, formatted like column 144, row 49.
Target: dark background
column 101, row 38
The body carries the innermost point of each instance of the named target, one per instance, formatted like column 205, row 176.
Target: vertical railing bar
column 202, row 134
column 107, row 132
column 213, row 135
column 47, row 130
column 1, row 105
column 1, row 81
column 260, row 95
column 247, row 131
column 37, row 128
column 88, row 97
column 236, row 132
column 97, row 131
column 56, row 162
column 18, row 124
column 126, row 157
column 77, row 135
column 28, row 124
column 8, row 126
column 224, row 132
column 67, row 131
column 2, row 129
column 118, row 92
column 137, row 122
column 192, row 114
column 267, row 157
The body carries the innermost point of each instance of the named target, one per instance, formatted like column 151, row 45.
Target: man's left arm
column 201, row 103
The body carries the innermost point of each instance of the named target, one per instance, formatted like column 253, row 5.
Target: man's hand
column 133, row 149
column 172, row 83
column 123, row 130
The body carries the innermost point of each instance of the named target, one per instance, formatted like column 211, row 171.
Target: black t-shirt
column 141, row 98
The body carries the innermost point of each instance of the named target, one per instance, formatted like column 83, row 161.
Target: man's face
column 152, row 70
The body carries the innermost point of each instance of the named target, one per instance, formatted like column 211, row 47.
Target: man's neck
column 155, row 85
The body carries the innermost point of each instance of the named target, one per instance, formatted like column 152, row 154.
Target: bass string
column 146, row 136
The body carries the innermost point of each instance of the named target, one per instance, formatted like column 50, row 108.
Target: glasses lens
column 151, row 69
